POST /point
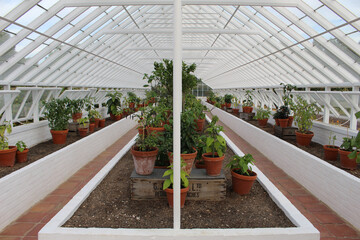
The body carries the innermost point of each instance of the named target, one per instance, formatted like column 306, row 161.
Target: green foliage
column 241, row 164
column 83, row 122
column 262, row 114
column 228, row 98
column 332, row 138
column 58, row 112
column 195, row 105
column 304, row 114
column 21, row 146
column 170, row 172
column 353, row 144
column 346, row 145
column 146, row 142
column 76, row 105
column 131, row 97
column 248, row 102
column 114, row 102
column 5, row 127
column 288, row 97
column 282, row 113
column 94, row 114
column 214, row 141
column 189, row 135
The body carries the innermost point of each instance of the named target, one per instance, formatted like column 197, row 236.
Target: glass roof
column 235, row 44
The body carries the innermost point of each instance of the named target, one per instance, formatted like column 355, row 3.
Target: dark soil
column 110, row 206
column 45, row 148
column 315, row 149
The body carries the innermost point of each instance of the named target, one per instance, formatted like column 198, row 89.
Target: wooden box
column 285, row 133
column 201, row 186
column 246, row 116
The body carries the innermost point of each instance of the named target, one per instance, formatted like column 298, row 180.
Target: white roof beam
column 185, row 30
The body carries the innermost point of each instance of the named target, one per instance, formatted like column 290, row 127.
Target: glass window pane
column 63, row 13
column 7, row 6
column 48, row 24
column 47, row 3
column 330, row 16
column 351, row 5
column 30, row 15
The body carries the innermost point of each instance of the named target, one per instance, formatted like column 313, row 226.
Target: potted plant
column 262, row 115
column 94, row 117
column 304, row 114
column 288, row 100
column 227, row 99
column 58, row 113
column 236, row 105
column 76, row 106
column 215, row 148
column 242, row 175
column 248, row 102
column 7, row 153
column 22, row 152
column 282, row 116
column 132, row 98
column 113, row 103
column 83, row 126
column 201, row 149
column 330, row 150
column 144, row 153
column 168, row 185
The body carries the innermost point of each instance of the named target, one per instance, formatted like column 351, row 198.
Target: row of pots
column 9, row 156
column 331, row 153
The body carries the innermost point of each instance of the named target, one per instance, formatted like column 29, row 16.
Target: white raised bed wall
column 335, row 187
column 31, row 134
column 25, row 187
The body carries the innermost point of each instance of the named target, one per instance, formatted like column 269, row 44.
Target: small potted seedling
column 7, row 153
column 83, row 126
column 262, row 115
column 330, row 150
column 22, row 151
column 242, row 175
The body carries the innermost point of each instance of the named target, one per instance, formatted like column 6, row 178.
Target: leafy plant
column 189, row 135
column 76, row 105
column 304, row 114
column 83, row 122
column 241, row 165
column 131, row 97
column 248, row 101
column 21, row 146
column 93, row 114
column 332, row 138
column 262, row 114
column 346, row 145
column 5, row 127
column 228, row 98
column 168, row 183
column 352, row 144
column 58, row 113
column 214, row 141
column 114, row 102
column 146, row 142
column 288, row 97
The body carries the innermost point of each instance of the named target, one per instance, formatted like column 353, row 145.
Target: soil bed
column 45, row 148
column 110, row 206
column 315, row 149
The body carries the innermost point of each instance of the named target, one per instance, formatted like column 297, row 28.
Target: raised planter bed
column 313, row 173
column 54, row 230
column 22, row 189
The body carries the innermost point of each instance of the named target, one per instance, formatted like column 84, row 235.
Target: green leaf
column 352, row 155
column 357, row 115
column 166, row 184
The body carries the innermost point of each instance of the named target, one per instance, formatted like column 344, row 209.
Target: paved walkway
column 331, row 226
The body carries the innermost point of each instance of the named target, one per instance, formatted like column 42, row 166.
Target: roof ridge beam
column 186, row 30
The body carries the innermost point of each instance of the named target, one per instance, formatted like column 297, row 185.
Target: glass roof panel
column 13, row 28
column 313, row 3
column 48, row 24
column 7, row 6
column 63, row 13
column 30, row 15
column 297, row 12
column 330, row 16
column 351, row 5
column 62, row 31
column 313, row 24
column 83, row 15
column 47, row 4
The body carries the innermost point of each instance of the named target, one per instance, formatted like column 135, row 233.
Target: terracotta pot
column 95, row 121
column 222, row 106
column 117, row 117
column 170, row 196
column 22, row 156
column 91, row 127
column 83, row 132
column 283, row 122
column 213, row 164
column 101, row 123
column 140, row 105
column 112, row 116
column 304, row 139
column 228, row 105
column 200, row 164
column 144, row 161
column 247, row 109
column 155, row 130
column 290, row 122
column 7, row 157
column 277, row 122
column 346, row 162
column 242, row 184
column 262, row 122
column 131, row 105
column 189, row 159
column 59, row 136
column 76, row 116
column 330, row 152
column 200, row 124
column 235, row 111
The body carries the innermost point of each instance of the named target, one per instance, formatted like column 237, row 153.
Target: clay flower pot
column 222, row 105
column 330, row 152
column 242, row 184
column 91, row 127
column 83, row 132
column 235, row 111
column 101, row 123
column 346, row 162
column 188, row 158
column 200, row 164
column 283, row 122
column 277, row 122
column 22, row 156
column 76, row 116
column 228, row 105
column 117, row 117
column 170, row 196
column 155, row 130
column 213, row 165
column 59, row 136
column 247, row 109
column 7, row 157
column 262, row 122
column 200, row 124
column 290, row 122
column 131, row 105
column 304, row 139
column 144, row 161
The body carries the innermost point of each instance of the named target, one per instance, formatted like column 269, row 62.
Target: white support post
column 355, row 99
column 326, row 115
column 177, row 106
column 8, row 110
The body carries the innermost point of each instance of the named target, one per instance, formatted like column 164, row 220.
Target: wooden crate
column 285, row 133
column 201, row 186
column 246, row 116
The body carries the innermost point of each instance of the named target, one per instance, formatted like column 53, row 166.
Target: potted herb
column 304, row 114
column 248, row 102
column 262, row 115
column 168, row 184
column 114, row 103
column 215, row 148
column 94, row 117
column 242, row 175
column 330, row 150
column 58, row 113
column 22, row 151
column 76, row 106
column 227, row 99
column 132, row 98
column 7, row 153
column 83, row 126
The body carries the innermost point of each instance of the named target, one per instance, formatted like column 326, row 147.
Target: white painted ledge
column 20, row 190
column 335, row 187
column 53, row 230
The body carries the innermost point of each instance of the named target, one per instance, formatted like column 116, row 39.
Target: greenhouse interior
column 179, row 119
